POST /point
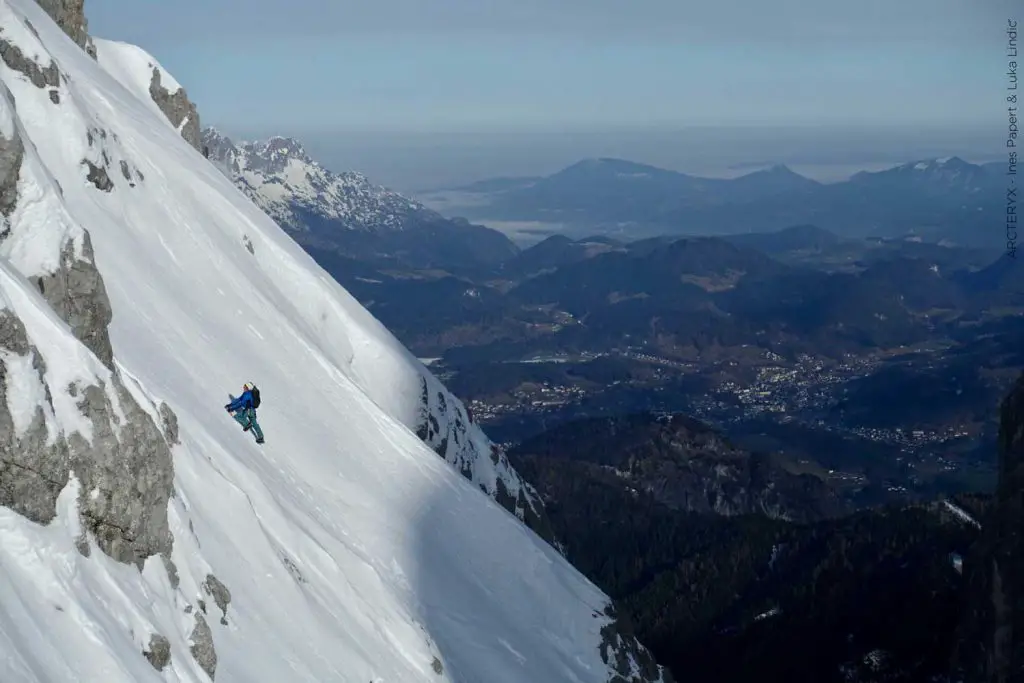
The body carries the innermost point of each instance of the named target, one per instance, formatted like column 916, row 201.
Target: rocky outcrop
column 526, row 504
column 202, row 646
column 75, row 290
column 70, row 16
column 77, row 293
column 444, row 425
column 120, row 456
column 98, row 176
column 100, row 166
column 12, row 152
column 178, row 109
column 630, row 661
column 990, row 645
column 14, row 58
column 172, row 571
column 159, row 651
column 220, row 594
column 124, row 466
column 170, row 424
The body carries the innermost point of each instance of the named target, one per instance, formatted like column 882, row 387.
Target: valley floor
column 807, row 409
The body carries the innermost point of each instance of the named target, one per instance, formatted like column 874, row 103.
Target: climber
column 243, row 409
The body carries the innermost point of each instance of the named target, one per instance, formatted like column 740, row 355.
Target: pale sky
column 320, row 69
column 448, row 64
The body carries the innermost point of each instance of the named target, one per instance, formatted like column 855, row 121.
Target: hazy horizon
column 416, row 162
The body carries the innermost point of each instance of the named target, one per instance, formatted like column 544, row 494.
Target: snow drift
column 143, row 536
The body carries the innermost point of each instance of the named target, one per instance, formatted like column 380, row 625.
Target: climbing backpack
column 255, row 397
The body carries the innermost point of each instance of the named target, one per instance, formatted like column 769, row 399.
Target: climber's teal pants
column 247, row 418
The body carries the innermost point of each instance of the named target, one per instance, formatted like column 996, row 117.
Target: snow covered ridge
column 282, row 179
column 143, row 536
column 345, row 213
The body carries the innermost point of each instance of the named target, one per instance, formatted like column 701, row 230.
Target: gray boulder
column 159, row 651
column 202, row 646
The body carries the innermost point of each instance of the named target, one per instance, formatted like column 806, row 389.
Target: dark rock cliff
column 991, row 642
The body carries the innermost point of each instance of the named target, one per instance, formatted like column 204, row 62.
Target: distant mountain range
column 345, row 213
column 803, row 288
column 799, row 290
column 946, row 198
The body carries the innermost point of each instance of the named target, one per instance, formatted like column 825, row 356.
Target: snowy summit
column 345, row 212
column 283, row 180
column 376, row 535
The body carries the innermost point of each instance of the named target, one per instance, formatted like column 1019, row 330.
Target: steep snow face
column 285, row 182
column 414, row 395
column 343, row 549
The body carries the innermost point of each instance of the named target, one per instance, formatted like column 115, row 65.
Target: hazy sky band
column 417, row 66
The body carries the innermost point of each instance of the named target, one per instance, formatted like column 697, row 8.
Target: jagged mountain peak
column 936, row 176
column 344, row 211
column 277, row 145
column 267, row 156
column 281, row 178
column 277, row 151
column 270, row 154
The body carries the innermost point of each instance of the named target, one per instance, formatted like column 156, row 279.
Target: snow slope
column 133, row 67
column 350, row 550
column 349, row 327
